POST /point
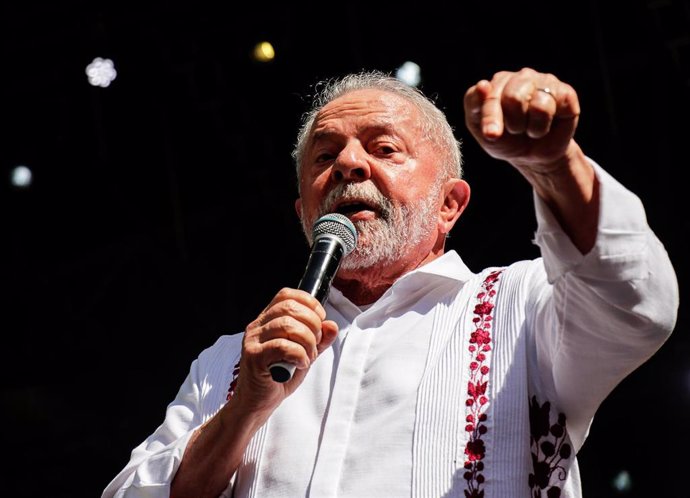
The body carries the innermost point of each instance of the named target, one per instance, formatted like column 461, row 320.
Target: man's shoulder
column 518, row 269
column 524, row 276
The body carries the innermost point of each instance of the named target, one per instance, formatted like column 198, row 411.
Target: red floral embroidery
column 233, row 382
column 477, row 388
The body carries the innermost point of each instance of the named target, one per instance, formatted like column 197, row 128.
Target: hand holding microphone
column 334, row 237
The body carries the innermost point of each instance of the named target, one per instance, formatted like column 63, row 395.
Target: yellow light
column 263, row 52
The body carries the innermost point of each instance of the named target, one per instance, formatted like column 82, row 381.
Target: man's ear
column 298, row 207
column 456, row 194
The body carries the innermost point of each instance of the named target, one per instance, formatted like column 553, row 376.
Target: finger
column 562, row 105
column 297, row 310
column 277, row 350
column 329, row 333
column 515, row 102
column 298, row 295
column 292, row 330
column 567, row 102
column 543, row 102
column 541, row 111
column 483, row 113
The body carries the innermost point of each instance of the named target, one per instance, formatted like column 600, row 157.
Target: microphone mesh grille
column 338, row 225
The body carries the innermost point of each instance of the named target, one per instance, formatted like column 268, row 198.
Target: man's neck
column 367, row 285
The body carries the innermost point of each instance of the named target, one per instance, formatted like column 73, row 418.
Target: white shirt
column 385, row 413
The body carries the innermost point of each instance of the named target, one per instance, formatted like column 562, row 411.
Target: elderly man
column 419, row 377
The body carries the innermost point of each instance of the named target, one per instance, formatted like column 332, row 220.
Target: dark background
column 161, row 211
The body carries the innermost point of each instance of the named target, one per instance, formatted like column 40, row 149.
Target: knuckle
column 500, row 75
column 540, row 107
column 283, row 344
column 511, row 101
column 285, row 323
column 283, row 293
column 253, row 325
column 252, row 349
column 569, row 92
column 290, row 307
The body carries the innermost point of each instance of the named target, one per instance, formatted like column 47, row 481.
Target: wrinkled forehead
column 372, row 106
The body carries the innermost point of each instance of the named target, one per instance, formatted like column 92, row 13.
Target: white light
column 622, row 482
column 101, row 72
column 21, row 177
column 409, row 73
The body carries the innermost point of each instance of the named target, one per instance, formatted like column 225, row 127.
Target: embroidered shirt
column 440, row 386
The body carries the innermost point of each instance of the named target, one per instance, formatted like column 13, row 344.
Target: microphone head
column 337, row 225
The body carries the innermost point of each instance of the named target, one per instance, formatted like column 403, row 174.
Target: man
column 419, row 377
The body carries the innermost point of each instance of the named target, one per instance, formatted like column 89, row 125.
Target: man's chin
column 361, row 262
column 370, row 229
column 355, row 267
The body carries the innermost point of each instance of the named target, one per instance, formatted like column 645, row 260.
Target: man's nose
column 351, row 164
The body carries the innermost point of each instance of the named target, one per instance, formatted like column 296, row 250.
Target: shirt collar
column 448, row 266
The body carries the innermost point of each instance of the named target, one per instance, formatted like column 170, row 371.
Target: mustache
column 363, row 192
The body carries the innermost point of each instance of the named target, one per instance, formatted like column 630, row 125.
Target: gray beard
column 386, row 238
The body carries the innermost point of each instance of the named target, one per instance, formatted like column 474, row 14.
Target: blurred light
column 622, row 482
column 409, row 73
column 101, row 72
column 263, row 52
column 21, row 177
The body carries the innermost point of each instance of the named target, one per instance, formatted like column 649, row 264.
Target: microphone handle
column 322, row 266
column 282, row 371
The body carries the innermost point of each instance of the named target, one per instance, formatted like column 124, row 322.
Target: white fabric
column 382, row 412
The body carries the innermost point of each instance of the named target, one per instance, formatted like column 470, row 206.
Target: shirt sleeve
column 606, row 312
column 154, row 462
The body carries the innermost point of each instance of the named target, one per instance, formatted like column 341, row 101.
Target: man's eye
column 385, row 150
column 324, row 157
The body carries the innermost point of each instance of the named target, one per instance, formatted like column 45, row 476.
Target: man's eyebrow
column 383, row 127
column 324, row 135
column 376, row 128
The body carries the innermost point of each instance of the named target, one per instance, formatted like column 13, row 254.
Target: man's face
column 367, row 158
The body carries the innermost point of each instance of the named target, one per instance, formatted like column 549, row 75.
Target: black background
column 161, row 211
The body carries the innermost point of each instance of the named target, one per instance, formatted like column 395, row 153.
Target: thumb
column 483, row 112
column 329, row 331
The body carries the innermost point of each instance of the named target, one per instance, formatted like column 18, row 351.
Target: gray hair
column 435, row 126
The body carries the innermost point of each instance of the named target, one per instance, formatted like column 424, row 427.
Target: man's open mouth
column 351, row 207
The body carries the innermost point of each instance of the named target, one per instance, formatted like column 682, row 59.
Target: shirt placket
column 341, row 410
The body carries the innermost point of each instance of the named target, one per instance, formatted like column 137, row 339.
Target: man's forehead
column 377, row 108
column 367, row 98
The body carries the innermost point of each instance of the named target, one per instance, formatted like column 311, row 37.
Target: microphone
column 334, row 237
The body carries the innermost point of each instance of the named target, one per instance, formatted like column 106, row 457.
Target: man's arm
column 184, row 457
column 529, row 119
column 291, row 328
column 605, row 312
column 612, row 296
column 215, row 451
column 152, row 463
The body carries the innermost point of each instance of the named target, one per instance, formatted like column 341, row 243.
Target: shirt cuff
column 154, row 475
column 621, row 239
